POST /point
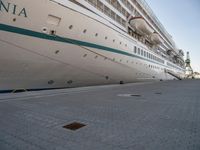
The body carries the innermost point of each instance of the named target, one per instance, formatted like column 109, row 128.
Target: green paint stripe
column 21, row 31
column 57, row 38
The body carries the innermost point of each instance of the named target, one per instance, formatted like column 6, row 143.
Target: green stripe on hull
column 31, row 33
column 57, row 38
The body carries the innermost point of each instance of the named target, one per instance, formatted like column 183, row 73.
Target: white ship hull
column 32, row 59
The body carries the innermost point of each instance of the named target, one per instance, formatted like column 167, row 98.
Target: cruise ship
column 49, row 44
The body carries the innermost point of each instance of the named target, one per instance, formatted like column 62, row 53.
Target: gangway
column 173, row 74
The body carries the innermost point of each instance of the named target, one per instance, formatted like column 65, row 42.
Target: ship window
column 96, row 34
column 113, row 40
column 120, row 43
column 123, row 22
column 113, row 15
column 139, row 51
column 106, row 10
column 93, row 2
column 135, row 49
column 144, row 53
column 100, row 5
column 106, row 38
column 123, row 11
column 84, row 31
column 118, row 19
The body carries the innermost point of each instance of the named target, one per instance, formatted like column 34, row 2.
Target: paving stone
column 165, row 116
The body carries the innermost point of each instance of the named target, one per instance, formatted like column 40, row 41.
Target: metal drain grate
column 158, row 93
column 129, row 95
column 136, row 95
column 74, row 126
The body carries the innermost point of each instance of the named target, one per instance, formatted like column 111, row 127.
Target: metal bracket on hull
column 19, row 90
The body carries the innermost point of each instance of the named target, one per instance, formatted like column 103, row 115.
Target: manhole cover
column 74, row 126
column 158, row 93
column 129, row 95
column 136, row 95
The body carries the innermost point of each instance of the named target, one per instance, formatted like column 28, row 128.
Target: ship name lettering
column 13, row 9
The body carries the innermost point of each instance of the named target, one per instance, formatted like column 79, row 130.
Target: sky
column 181, row 18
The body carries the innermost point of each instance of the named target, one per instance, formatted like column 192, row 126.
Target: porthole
column 44, row 30
column 96, row 34
column 106, row 38
column 14, row 19
column 113, row 40
column 70, row 27
column 120, row 43
column 84, row 31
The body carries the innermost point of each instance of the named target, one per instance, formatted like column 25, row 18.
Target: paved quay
column 139, row 116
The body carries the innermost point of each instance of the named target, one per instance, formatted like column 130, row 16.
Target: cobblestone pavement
column 139, row 116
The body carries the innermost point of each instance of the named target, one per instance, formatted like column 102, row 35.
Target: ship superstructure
column 70, row 43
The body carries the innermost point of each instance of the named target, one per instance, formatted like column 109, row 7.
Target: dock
column 139, row 116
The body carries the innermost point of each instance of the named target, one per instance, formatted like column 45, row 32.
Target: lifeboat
column 141, row 26
column 155, row 38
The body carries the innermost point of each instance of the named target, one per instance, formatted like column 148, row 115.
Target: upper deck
column 120, row 11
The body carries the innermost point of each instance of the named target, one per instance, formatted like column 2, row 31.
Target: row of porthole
column 150, row 66
column 96, row 35
column 50, row 82
column 105, row 58
column 85, row 30
column 146, row 54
